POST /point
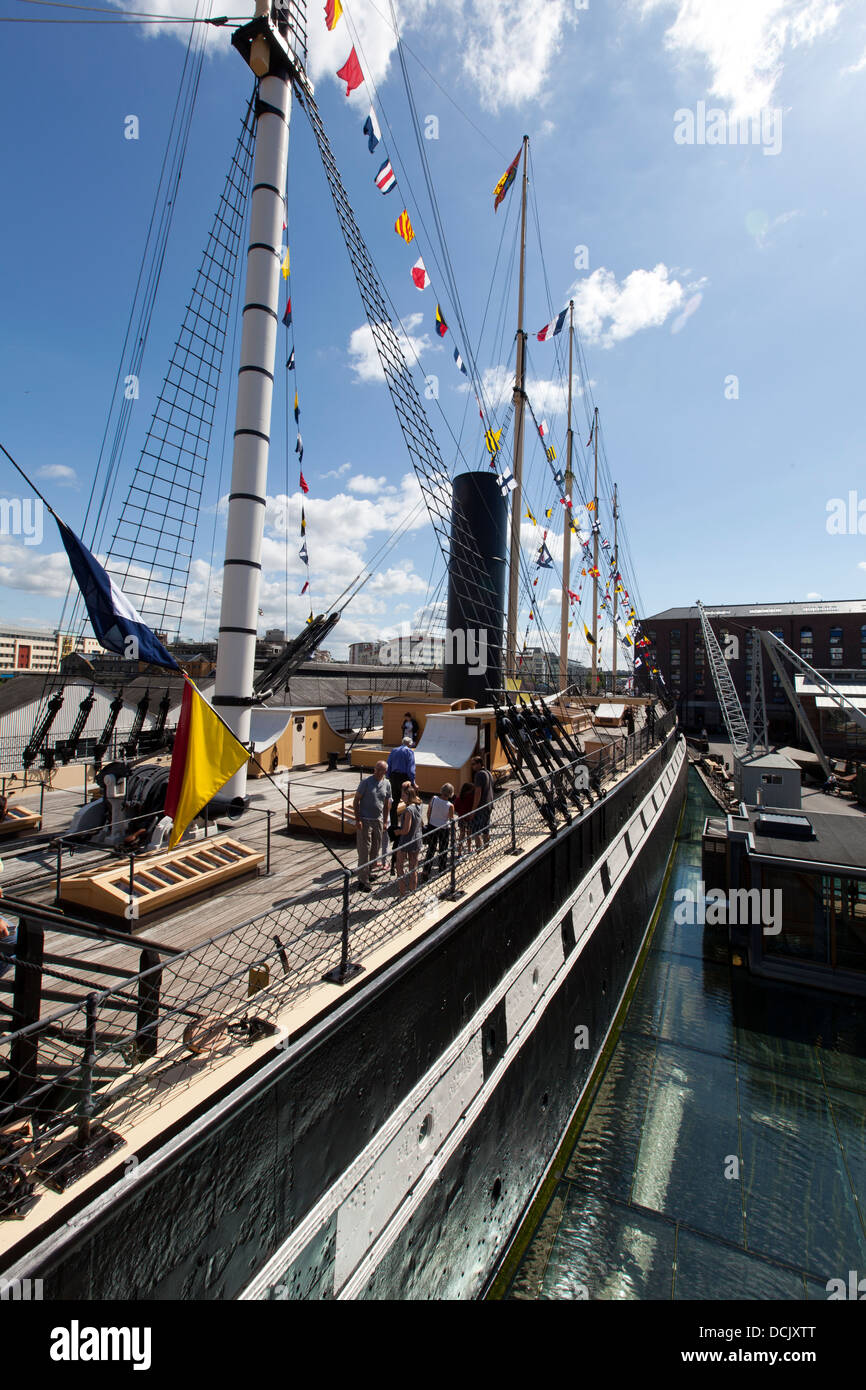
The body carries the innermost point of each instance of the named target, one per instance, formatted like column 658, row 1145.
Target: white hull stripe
column 371, row 1212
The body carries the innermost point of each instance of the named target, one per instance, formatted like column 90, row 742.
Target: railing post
column 342, row 810
column 346, row 970
column 515, row 848
column 453, row 892
column 41, row 799
column 59, row 870
column 89, row 1057
column 147, row 1015
column 27, row 1003
column 268, row 845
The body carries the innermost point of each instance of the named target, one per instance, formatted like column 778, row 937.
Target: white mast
column 246, row 515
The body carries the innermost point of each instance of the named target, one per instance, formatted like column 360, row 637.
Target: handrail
column 241, row 977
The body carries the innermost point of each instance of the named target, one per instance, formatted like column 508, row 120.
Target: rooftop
column 763, row 610
column 838, row 840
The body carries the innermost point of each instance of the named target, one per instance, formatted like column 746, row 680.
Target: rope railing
column 119, row 1049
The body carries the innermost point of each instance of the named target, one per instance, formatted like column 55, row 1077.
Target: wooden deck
column 162, row 1087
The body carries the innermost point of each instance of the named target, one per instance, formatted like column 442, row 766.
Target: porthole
column 535, row 978
column 425, row 1130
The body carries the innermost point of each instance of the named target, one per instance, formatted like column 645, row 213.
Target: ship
column 332, row 1095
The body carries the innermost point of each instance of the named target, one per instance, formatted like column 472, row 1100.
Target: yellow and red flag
column 506, row 181
column 205, row 755
column 333, row 10
column 403, row 227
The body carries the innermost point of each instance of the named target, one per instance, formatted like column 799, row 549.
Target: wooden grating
column 159, row 879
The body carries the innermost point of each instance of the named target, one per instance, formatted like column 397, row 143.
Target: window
column 837, row 650
column 699, row 662
column 807, row 644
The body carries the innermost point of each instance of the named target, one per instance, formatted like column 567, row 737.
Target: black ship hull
column 389, row 1150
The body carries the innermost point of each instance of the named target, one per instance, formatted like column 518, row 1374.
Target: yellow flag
column 491, row 439
column 286, row 265
column 205, row 755
column 403, row 227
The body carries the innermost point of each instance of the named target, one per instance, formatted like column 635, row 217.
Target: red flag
column 351, row 73
column 420, row 276
column 305, row 588
column 304, row 487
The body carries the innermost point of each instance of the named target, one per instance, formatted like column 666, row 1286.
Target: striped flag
column 403, row 227
column 551, row 454
column 551, row 329
column 491, row 439
column 507, row 482
column 386, row 179
column 333, row 10
column 419, row 275
column 460, row 364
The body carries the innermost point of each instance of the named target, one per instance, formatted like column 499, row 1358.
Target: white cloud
column 59, row 473
column 548, row 397
column 742, row 42
column 815, row 598
column 760, row 227
column 362, row 484
column 21, row 567
column 338, row 472
column 858, row 66
column 508, row 47
column 691, row 307
column 364, row 358
column 608, row 312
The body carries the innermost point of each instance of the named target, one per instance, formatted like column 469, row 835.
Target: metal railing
column 116, row 1050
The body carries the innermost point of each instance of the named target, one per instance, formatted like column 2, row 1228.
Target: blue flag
column 545, row 560
column 372, row 131
column 114, row 620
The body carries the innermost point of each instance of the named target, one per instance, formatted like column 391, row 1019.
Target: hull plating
column 390, row 1151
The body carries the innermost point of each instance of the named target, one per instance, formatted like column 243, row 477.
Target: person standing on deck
column 409, row 842
column 482, row 803
column 401, row 768
column 440, row 814
column 372, row 807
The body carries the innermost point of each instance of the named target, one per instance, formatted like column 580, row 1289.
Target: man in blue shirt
column 401, row 768
column 401, row 764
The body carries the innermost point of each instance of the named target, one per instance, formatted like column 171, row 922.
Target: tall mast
column 615, row 582
column 566, row 534
column 595, row 554
column 265, row 46
column 517, row 492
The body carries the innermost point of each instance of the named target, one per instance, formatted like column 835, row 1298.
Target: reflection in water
column 724, row 1153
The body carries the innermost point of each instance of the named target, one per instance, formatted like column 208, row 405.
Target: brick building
column 830, row 636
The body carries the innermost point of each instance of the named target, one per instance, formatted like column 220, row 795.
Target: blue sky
column 706, row 262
